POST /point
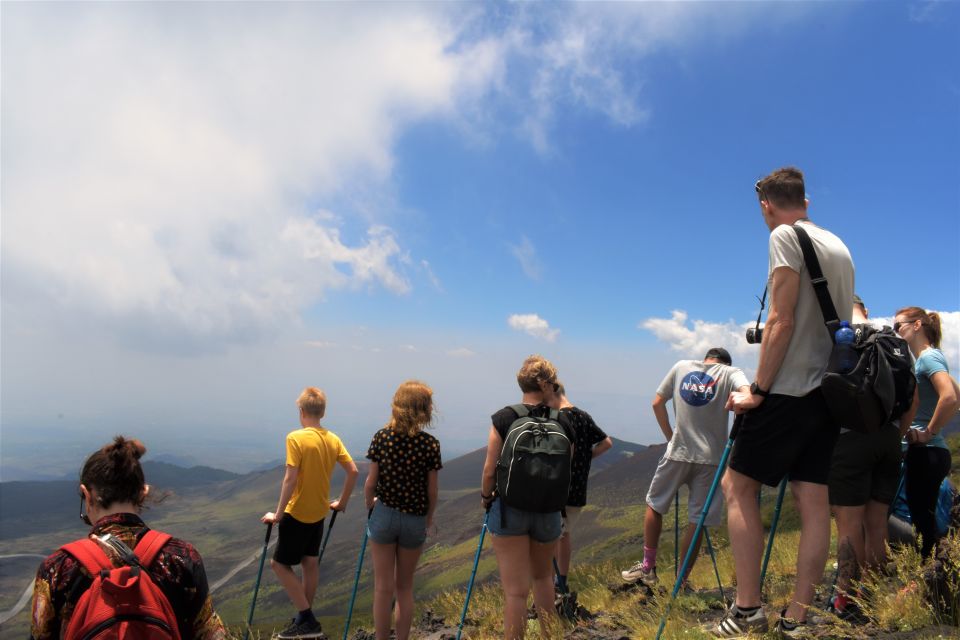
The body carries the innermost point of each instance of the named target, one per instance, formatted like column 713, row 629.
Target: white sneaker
column 737, row 625
column 636, row 573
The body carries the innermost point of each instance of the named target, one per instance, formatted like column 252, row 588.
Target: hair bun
column 123, row 447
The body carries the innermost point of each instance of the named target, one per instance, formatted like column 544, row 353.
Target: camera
column 754, row 335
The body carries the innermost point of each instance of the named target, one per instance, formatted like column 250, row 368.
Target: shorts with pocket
column 673, row 474
column 390, row 526
column 786, row 436
column 866, row 466
column 297, row 539
column 542, row 527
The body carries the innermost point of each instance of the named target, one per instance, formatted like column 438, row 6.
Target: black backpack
column 533, row 472
column 880, row 387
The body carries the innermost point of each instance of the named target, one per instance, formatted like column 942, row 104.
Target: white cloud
column 533, row 325
column 321, row 344
column 461, row 352
column 694, row 339
column 526, row 254
column 431, row 276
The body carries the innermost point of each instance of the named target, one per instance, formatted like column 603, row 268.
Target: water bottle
column 846, row 354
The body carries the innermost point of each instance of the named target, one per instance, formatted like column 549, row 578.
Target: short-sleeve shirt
column 404, row 462
column 699, row 392
column 587, row 435
column 931, row 361
column 314, row 452
column 809, row 349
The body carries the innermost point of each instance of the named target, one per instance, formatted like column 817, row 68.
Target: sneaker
column 637, row 573
column 306, row 629
column 737, row 625
column 788, row 628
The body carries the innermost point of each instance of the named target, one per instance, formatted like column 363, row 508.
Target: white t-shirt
column 699, row 391
column 810, row 345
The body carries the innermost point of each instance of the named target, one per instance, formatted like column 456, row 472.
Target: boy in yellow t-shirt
column 304, row 501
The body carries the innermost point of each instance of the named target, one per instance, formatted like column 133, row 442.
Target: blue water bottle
column 846, row 356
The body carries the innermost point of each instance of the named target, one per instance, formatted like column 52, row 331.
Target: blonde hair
column 929, row 323
column 535, row 369
column 313, row 402
column 412, row 408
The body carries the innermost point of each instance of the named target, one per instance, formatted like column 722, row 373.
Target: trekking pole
column 356, row 580
column 706, row 535
column 773, row 531
column 703, row 516
column 676, row 535
column 256, row 585
column 473, row 575
column 326, row 538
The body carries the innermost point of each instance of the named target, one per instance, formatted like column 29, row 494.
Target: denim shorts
column 389, row 526
column 542, row 527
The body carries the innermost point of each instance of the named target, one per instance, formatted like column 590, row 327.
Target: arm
column 776, row 337
column 907, row 418
column 488, row 480
column 433, row 490
column 602, row 447
column 370, row 485
column 286, row 492
column 945, row 409
column 351, row 468
column 663, row 418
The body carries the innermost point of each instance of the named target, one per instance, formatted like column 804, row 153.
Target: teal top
column 931, row 361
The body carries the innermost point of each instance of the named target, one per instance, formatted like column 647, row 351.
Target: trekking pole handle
column 737, row 423
column 266, row 539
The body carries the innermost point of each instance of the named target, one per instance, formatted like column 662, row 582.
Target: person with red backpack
column 123, row 580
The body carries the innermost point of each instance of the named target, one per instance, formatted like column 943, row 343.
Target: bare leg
column 291, row 584
column 685, row 544
column 875, row 528
column 850, row 545
column 564, row 553
column 746, row 534
column 384, row 562
column 406, row 563
column 514, row 562
column 310, row 577
column 541, row 567
column 814, row 507
column 652, row 526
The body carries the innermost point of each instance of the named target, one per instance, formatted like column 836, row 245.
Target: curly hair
column 535, row 369
column 412, row 408
column 115, row 474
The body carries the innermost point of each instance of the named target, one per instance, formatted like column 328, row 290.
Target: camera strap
column 830, row 318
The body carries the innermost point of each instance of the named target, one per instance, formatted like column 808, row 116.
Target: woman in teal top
column 928, row 459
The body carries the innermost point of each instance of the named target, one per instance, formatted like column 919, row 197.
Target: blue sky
column 208, row 207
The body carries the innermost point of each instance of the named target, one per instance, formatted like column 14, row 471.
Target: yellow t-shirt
column 314, row 452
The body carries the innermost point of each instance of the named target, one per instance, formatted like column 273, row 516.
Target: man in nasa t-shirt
column 699, row 391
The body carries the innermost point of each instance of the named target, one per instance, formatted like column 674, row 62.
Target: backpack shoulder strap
column 89, row 554
column 830, row 317
column 149, row 546
column 555, row 415
column 521, row 410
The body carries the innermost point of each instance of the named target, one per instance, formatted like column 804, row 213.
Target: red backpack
column 123, row 603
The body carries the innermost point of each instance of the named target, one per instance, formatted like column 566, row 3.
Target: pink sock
column 649, row 558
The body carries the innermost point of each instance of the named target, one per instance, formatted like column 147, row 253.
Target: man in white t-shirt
column 699, row 391
column 787, row 429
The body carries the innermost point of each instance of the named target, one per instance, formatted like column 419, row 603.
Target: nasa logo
column 698, row 388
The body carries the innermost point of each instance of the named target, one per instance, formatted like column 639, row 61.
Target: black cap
column 720, row 354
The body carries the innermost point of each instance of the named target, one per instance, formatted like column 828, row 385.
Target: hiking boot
column 737, row 625
column 306, row 629
column 636, row 573
column 788, row 628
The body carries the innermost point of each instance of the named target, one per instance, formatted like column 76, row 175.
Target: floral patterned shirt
column 177, row 571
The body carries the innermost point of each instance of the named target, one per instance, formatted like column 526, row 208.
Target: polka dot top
column 404, row 462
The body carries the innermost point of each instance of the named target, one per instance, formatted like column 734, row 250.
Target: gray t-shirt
column 699, row 391
column 810, row 344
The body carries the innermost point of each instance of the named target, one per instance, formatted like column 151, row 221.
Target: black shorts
column 786, row 436
column 297, row 539
column 866, row 466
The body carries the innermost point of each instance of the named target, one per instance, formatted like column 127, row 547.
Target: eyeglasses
column 83, row 513
column 897, row 325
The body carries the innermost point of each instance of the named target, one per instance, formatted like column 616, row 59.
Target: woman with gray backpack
column 526, row 477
